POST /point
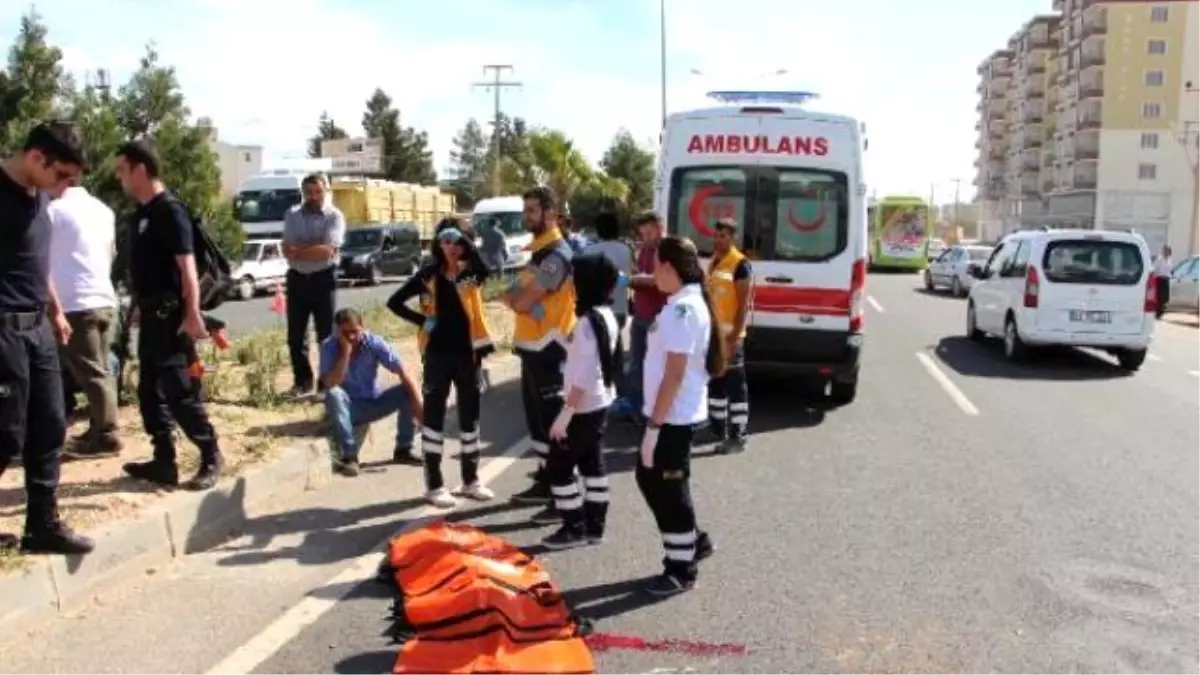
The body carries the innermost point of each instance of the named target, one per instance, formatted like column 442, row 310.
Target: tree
column 629, row 162
column 406, row 154
column 558, row 163
column 469, row 164
column 31, row 86
column 327, row 130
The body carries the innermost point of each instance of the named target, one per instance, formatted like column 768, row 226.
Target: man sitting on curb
column 350, row 361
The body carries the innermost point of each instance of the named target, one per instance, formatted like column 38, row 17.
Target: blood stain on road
column 603, row 642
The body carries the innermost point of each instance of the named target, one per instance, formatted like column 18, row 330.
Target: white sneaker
column 441, row 498
column 477, row 491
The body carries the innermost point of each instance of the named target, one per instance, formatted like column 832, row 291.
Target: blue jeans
column 639, row 332
column 346, row 413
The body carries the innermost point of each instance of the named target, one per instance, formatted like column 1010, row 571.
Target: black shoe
column 547, row 516
column 594, row 536
column 154, row 471
column 57, row 539
column 667, row 584
column 731, row 446
column 347, row 467
column 89, row 446
column 407, row 457
column 704, row 547
column 564, row 538
column 538, row 493
column 208, row 475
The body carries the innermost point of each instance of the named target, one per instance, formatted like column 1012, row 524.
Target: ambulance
column 793, row 180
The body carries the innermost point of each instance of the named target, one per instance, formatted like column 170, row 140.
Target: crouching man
column 350, row 361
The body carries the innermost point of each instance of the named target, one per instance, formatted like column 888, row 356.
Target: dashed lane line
column 960, row 399
column 875, row 304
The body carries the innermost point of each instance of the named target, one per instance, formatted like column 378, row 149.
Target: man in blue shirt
column 350, row 361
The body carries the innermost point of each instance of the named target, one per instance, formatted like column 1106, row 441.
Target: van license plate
column 1081, row 316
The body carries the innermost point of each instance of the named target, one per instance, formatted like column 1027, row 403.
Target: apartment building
column 236, row 163
column 1110, row 142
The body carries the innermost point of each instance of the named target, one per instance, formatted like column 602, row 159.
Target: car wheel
column 245, row 288
column 956, row 287
column 1131, row 359
column 928, row 281
column 1014, row 347
column 973, row 332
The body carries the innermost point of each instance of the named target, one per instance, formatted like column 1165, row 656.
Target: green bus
column 901, row 228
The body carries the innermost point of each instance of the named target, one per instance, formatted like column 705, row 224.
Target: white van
column 793, row 180
column 264, row 199
column 1081, row 288
column 507, row 214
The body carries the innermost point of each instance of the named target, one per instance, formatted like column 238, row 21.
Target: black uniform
column 449, row 359
column 167, row 392
column 32, row 423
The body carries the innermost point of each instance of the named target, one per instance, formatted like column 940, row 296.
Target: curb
column 182, row 523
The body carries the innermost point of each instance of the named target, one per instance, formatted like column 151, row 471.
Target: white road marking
column 1194, row 373
column 1154, row 357
column 875, row 304
column 363, row 568
column 960, row 399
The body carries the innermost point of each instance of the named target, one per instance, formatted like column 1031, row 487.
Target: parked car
column 935, row 248
column 1185, row 286
column 371, row 252
column 952, row 269
column 262, row 266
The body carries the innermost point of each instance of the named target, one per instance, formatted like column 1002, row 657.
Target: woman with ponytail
column 593, row 363
column 684, row 351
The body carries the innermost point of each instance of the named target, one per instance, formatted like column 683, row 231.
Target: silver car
column 1185, row 286
column 952, row 268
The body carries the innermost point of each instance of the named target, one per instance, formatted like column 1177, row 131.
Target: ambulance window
column 810, row 216
column 701, row 196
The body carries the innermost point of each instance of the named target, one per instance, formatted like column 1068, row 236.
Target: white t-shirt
column 582, row 368
column 82, row 233
column 682, row 327
column 1162, row 266
column 621, row 256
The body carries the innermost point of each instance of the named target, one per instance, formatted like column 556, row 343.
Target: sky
column 264, row 70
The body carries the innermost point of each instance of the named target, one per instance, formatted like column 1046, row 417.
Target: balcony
column 996, row 110
column 1039, row 36
column 1030, row 160
column 1089, row 115
column 995, row 153
column 1091, row 83
column 1095, row 23
column 1034, row 87
column 997, row 93
column 1032, row 113
column 1034, row 63
column 1028, row 139
column 1086, row 145
column 1029, row 185
column 1092, row 54
column 1082, row 177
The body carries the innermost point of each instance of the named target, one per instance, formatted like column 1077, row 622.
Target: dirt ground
column 246, row 389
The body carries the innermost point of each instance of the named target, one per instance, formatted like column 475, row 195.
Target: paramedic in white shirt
column 684, row 351
column 591, row 370
column 82, row 247
column 1162, row 280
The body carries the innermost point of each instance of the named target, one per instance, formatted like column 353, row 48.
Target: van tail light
column 1031, row 288
column 1151, row 304
column 858, row 289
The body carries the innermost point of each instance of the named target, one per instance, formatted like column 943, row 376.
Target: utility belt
column 21, row 321
column 163, row 306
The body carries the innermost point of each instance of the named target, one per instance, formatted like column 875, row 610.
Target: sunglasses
column 450, row 236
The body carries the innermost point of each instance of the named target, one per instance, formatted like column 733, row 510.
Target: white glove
column 558, row 430
column 649, row 441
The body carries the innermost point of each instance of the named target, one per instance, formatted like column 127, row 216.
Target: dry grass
column 246, row 389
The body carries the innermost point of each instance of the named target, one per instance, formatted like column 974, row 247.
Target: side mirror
column 976, row 271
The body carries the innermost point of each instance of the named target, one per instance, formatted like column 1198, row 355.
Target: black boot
column 209, row 474
column 45, row 533
column 157, row 471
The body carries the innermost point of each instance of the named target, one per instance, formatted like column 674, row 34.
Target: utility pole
column 662, row 58
column 497, row 85
column 1189, row 136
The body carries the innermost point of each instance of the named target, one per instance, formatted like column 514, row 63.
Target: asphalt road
column 962, row 515
column 248, row 316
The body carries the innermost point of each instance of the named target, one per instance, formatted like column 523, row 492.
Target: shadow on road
column 937, row 293
column 986, row 359
column 604, row 601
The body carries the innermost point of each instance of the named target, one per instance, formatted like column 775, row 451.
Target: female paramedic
column 593, row 362
column 684, row 350
column 453, row 337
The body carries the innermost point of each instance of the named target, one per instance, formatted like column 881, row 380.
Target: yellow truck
column 372, row 201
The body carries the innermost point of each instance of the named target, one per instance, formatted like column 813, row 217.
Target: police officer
column 543, row 299
column 729, row 287
column 684, row 350
column 167, row 293
column 32, row 326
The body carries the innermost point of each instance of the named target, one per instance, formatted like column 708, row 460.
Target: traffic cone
column 279, row 301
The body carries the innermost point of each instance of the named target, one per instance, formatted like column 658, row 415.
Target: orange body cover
column 477, row 604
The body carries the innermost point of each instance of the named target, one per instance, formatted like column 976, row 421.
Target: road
column 962, row 515
column 247, row 316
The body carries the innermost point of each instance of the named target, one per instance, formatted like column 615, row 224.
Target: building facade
column 1098, row 131
column 235, row 162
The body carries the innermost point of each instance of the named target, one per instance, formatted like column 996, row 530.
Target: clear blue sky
column 265, row 69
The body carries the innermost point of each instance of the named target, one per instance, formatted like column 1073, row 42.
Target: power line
column 497, row 85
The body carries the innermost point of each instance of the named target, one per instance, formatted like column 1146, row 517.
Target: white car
column 951, row 269
column 262, row 266
column 1080, row 288
column 1185, row 286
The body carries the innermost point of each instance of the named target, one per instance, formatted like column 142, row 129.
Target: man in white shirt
column 1162, row 273
column 82, row 247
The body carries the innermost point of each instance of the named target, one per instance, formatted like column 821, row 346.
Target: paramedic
column 162, row 267
column 543, row 299
column 729, row 287
column 683, row 352
column 32, row 326
column 578, row 431
column 453, row 337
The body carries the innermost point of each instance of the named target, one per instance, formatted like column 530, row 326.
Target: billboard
column 354, row 155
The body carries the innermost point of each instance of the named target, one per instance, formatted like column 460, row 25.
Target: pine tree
column 327, row 130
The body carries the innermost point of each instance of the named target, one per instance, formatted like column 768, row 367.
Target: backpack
column 213, row 271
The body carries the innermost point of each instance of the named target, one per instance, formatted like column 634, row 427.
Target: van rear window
column 1070, row 261
column 784, row 214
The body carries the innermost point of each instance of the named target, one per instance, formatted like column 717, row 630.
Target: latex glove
column 649, row 441
column 622, row 280
column 558, row 430
column 537, row 311
column 429, row 324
